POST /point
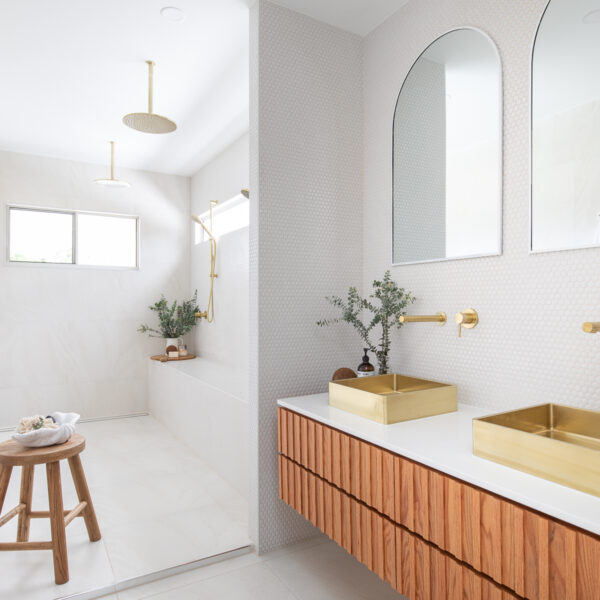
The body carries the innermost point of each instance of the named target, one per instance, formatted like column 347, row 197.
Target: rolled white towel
column 50, row 436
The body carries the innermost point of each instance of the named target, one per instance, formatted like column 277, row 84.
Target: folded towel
column 49, row 437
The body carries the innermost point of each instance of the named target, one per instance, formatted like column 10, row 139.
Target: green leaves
column 174, row 320
column 390, row 302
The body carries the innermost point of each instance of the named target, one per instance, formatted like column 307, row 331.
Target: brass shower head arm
column 112, row 160
column 150, row 64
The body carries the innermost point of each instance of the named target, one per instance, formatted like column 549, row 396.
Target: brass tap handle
column 468, row 318
column 591, row 327
column 437, row 318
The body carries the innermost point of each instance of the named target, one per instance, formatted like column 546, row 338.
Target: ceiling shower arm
column 150, row 64
column 112, row 160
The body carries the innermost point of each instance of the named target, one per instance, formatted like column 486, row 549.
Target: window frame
column 75, row 239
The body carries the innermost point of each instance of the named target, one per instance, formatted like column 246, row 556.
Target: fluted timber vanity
column 412, row 503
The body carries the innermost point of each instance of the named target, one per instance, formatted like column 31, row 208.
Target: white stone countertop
column 444, row 443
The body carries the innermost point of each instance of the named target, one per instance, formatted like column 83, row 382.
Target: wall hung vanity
column 565, row 121
column 412, row 503
column 447, row 152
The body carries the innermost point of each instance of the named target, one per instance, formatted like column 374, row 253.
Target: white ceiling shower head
column 149, row 122
column 111, row 181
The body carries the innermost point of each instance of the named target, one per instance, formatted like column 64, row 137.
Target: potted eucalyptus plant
column 174, row 320
column 386, row 303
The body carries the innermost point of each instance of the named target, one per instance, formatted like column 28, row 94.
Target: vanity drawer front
column 530, row 553
column 357, row 467
column 412, row 566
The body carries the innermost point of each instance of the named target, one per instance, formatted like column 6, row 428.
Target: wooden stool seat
column 13, row 454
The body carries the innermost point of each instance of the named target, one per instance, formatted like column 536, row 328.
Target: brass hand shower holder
column 209, row 313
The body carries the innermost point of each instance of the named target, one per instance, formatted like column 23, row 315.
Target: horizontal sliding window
column 39, row 235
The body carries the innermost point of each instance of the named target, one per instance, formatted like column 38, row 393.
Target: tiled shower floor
column 158, row 505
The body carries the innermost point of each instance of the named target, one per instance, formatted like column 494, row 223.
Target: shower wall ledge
column 211, row 421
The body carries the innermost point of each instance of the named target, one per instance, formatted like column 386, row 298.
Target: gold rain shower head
column 245, row 192
column 111, row 181
column 149, row 122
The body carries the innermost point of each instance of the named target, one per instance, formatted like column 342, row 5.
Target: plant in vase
column 386, row 303
column 174, row 320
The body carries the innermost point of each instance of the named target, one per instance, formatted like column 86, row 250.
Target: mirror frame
column 531, row 249
column 500, row 149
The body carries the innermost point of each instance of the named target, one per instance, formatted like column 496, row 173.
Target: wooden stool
column 12, row 454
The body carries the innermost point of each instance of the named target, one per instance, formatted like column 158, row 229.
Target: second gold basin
column 559, row 443
column 392, row 398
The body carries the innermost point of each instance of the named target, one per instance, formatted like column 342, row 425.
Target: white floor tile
column 30, row 575
column 315, row 569
column 158, row 506
column 255, row 582
column 327, row 572
column 189, row 577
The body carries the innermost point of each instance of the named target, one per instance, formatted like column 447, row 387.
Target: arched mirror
column 565, row 137
column 447, row 152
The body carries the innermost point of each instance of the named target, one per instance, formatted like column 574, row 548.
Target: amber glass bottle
column 365, row 369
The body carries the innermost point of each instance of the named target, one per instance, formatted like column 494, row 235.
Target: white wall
column 224, row 341
column 205, row 417
column 528, row 347
column 68, row 338
column 305, row 233
column 204, row 402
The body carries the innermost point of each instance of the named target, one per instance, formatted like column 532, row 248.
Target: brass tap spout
column 437, row 318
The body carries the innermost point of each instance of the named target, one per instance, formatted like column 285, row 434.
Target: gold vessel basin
column 559, row 443
column 392, row 398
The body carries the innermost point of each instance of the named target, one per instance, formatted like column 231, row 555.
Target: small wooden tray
column 165, row 358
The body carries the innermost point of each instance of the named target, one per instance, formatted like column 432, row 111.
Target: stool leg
column 25, row 498
column 5, row 472
column 57, row 524
column 83, row 493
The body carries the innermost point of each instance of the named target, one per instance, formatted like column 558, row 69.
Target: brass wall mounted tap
column 591, row 327
column 439, row 317
column 468, row 318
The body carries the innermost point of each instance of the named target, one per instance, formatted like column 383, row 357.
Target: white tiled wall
column 309, row 164
column 306, row 228
column 528, row 347
column 205, row 417
column 68, row 338
column 204, row 402
column 225, row 340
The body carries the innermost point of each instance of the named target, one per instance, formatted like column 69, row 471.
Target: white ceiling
column 357, row 16
column 70, row 70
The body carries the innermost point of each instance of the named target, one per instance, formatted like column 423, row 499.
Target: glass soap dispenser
column 365, row 369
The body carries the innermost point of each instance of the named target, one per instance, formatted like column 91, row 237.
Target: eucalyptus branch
column 386, row 303
column 173, row 320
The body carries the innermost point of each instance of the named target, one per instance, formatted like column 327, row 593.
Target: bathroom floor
column 317, row 569
column 158, row 505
